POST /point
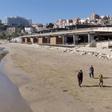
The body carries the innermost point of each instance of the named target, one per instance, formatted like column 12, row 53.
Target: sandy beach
column 47, row 79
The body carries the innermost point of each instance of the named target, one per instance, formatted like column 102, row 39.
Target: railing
column 81, row 30
column 105, row 29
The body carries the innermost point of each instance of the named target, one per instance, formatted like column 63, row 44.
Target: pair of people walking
column 80, row 75
column 91, row 74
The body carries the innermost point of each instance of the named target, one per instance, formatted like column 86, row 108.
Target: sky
column 45, row 11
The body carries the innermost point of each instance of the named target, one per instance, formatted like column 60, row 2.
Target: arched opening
column 35, row 40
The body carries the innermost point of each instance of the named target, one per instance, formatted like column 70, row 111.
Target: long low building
column 70, row 37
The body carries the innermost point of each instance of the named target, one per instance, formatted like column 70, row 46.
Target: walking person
column 100, row 80
column 80, row 77
column 91, row 71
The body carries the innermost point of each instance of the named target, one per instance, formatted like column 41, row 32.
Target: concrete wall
column 53, row 40
column 104, row 44
column 31, row 39
column 40, row 40
column 17, row 40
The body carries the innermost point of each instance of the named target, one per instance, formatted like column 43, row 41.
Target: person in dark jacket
column 80, row 77
column 91, row 71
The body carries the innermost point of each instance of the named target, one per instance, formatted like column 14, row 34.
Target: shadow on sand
column 105, row 86
column 103, row 78
column 107, row 77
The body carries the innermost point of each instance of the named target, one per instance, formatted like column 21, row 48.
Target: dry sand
column 47, row 79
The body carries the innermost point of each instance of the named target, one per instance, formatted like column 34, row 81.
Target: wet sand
column 10, row 97
column 47, row 79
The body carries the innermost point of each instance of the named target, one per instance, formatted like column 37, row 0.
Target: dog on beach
column 100, row 80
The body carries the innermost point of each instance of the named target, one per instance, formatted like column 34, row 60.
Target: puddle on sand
column 10, row 97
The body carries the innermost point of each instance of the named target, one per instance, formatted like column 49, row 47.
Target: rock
column 90, row 53
column 95, row 54
column 65, row 50
column 82, row 53
column 77, row 50
column 102, row 56
column 108, row 56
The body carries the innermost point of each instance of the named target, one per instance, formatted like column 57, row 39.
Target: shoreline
column 10, row 95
